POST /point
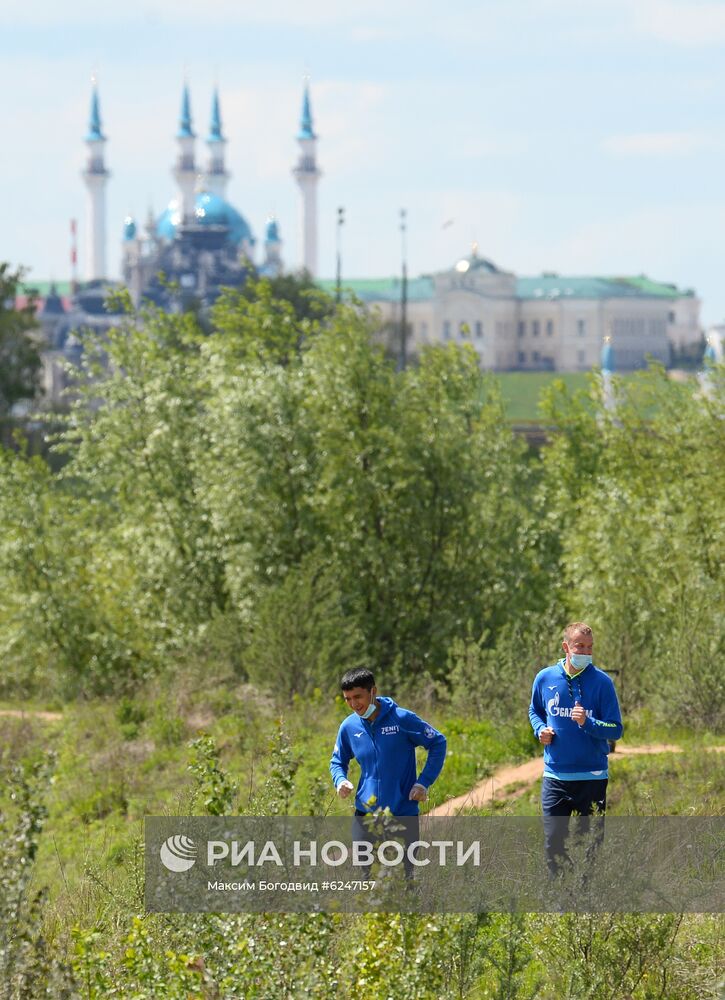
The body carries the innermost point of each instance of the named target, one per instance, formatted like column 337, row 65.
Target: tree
column 19, row 355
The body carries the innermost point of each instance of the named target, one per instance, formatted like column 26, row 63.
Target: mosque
column 201, row 243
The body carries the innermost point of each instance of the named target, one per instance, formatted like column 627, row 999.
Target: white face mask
column 579, row 660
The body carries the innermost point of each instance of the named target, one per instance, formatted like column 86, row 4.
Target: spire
column 96, row 176
column 607, row 355
column 710, row 355
column 215, row 126
column 307, row 174
column 609, row 397
column 272, row 266
column 306, row 127
column 185, row 129
column 95, row 132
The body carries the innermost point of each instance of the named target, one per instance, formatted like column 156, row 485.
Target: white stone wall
column 562, row 334
column 683, row 321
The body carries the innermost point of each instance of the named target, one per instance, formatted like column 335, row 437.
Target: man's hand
column 345, row 788
column 418, row 793
column 546, row 735
column 578, row 713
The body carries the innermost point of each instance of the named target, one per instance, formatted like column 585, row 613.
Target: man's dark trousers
column 568, row 798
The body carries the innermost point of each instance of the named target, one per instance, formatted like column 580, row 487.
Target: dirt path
column 511, row 782
column 18, row 713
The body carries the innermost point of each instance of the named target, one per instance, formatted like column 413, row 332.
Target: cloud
column 657, row 144
column 683, row 23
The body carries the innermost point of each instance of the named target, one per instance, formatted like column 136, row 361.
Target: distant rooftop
column 557, row 286
column 381, row 289
column 546, row 286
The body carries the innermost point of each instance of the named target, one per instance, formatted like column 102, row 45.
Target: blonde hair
column 576, row 628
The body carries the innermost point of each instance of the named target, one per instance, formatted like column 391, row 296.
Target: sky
column 577, row 136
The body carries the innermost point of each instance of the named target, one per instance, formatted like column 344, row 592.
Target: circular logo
column 178, row 854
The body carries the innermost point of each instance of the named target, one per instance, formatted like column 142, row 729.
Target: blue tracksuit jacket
column 575, row 749
column 385, row 750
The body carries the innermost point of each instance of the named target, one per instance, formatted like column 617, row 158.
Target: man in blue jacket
column 382, row 737
column 574, row 713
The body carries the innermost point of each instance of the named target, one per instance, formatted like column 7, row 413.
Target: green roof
column 551, row 287
column 42, row 288
column 649, row 287
column 555, row 286
column 381, row 289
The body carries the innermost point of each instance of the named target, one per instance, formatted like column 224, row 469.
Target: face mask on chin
column 369, row 710
column 579, row 660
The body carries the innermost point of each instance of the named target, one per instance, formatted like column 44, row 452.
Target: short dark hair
column 358, row 677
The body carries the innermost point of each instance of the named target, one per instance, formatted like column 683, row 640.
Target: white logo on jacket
column 386, row 730
column 552, row 708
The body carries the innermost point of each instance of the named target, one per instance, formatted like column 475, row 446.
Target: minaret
column 307, row 175
column 95, row 175
column 185, row 169
column 217, row 175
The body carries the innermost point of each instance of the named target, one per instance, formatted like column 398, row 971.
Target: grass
column 691, row 783
column 121, row 760
column 522, row 390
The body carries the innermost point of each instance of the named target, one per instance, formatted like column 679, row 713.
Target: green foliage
column 605, row 956
column 19, row 353
column 272, row 489
column 636, row 501
column 213, row 783
column 276, row 796
column 28, row 967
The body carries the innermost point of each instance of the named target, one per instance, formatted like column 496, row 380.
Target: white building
column 550, row 322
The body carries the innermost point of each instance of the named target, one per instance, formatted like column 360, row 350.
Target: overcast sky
column 579, row 136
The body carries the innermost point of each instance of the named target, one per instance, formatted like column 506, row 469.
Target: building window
column 522, row 328
column 550, row 328
column 581, row 357
column 535, row 328
column 464, row 329
column 581, row 327
column 522, row 357
column 535, row 357
column 446, row 329
column 479, row 329
column 671, row 318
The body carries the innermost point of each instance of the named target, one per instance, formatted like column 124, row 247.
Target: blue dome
column 209, row 210
column 129, row 228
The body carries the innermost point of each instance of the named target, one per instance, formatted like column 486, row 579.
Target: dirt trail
column 19, row 713
column 511, row 782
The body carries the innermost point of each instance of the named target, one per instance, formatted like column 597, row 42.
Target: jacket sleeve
column 422, row 734
column 341, row 757
column 607, row 724
column 537, row 711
